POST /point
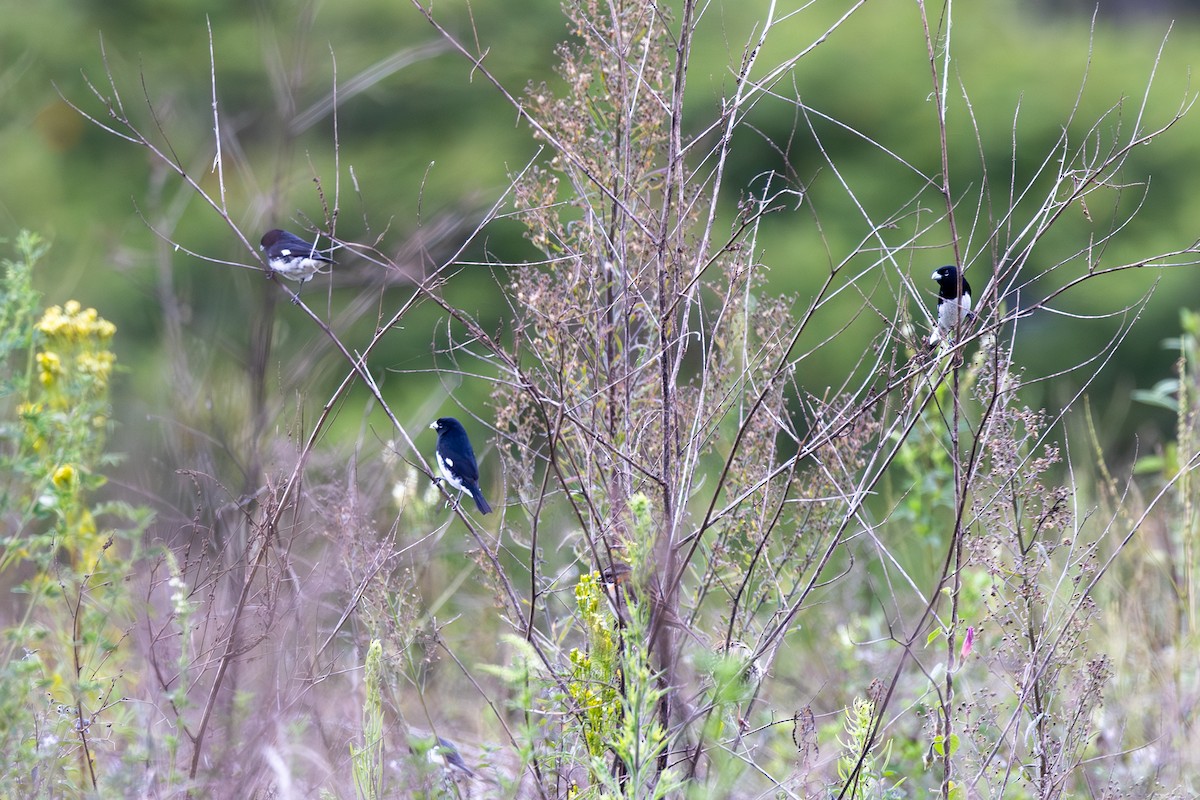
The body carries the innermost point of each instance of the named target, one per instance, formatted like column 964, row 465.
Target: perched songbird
column 617, row 581
column 954, row 304
column 292, row 257
column 446, row 754
column 456, row 460
column 619, row 574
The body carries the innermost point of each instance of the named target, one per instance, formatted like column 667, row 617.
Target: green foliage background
column 428, row 140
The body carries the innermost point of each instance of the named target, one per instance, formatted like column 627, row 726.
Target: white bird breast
column 297, row 267
column 951, row 314
column 446, row 466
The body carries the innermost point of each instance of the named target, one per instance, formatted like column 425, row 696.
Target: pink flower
column 968, row 642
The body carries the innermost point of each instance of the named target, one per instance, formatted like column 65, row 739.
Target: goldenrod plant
column 864, row 762
column 367, row 758
column 66, row 557
column 595, row 678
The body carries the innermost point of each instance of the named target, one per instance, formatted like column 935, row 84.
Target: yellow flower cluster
column 98, row 364
column 595, row 671
column 79, row 337
column 49, row 367
column 587, row 594
column 73, row 323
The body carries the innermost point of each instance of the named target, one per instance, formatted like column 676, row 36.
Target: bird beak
column 433, row 426
column 935, row 276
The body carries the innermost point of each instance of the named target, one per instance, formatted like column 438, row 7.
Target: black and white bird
column 292, row 257
column 953, row 306
column 456, row 460
column 446, row 755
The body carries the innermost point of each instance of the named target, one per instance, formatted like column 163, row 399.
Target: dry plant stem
column 667, row 265
column 81, row 721
column 711, row 514
column 267, row 530
column 940, row 87
column 218, row 162
column 774, row 635
column 668, row 342
column 960, row 499
column 1036, row 670
column 535, row 531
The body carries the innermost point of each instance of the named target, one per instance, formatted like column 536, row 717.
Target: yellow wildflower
column 49, row 361
column 52, row 321
column 73, row 323
column 64, row 476
column 98, row 365
column 30, row 411
column 49, row 366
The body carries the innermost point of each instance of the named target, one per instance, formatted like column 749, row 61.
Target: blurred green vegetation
column 433, row 140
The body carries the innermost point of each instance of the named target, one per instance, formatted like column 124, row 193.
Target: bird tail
column 480, row 502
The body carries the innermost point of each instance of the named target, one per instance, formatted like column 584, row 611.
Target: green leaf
column 1149, row 465
column 1159, row 396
